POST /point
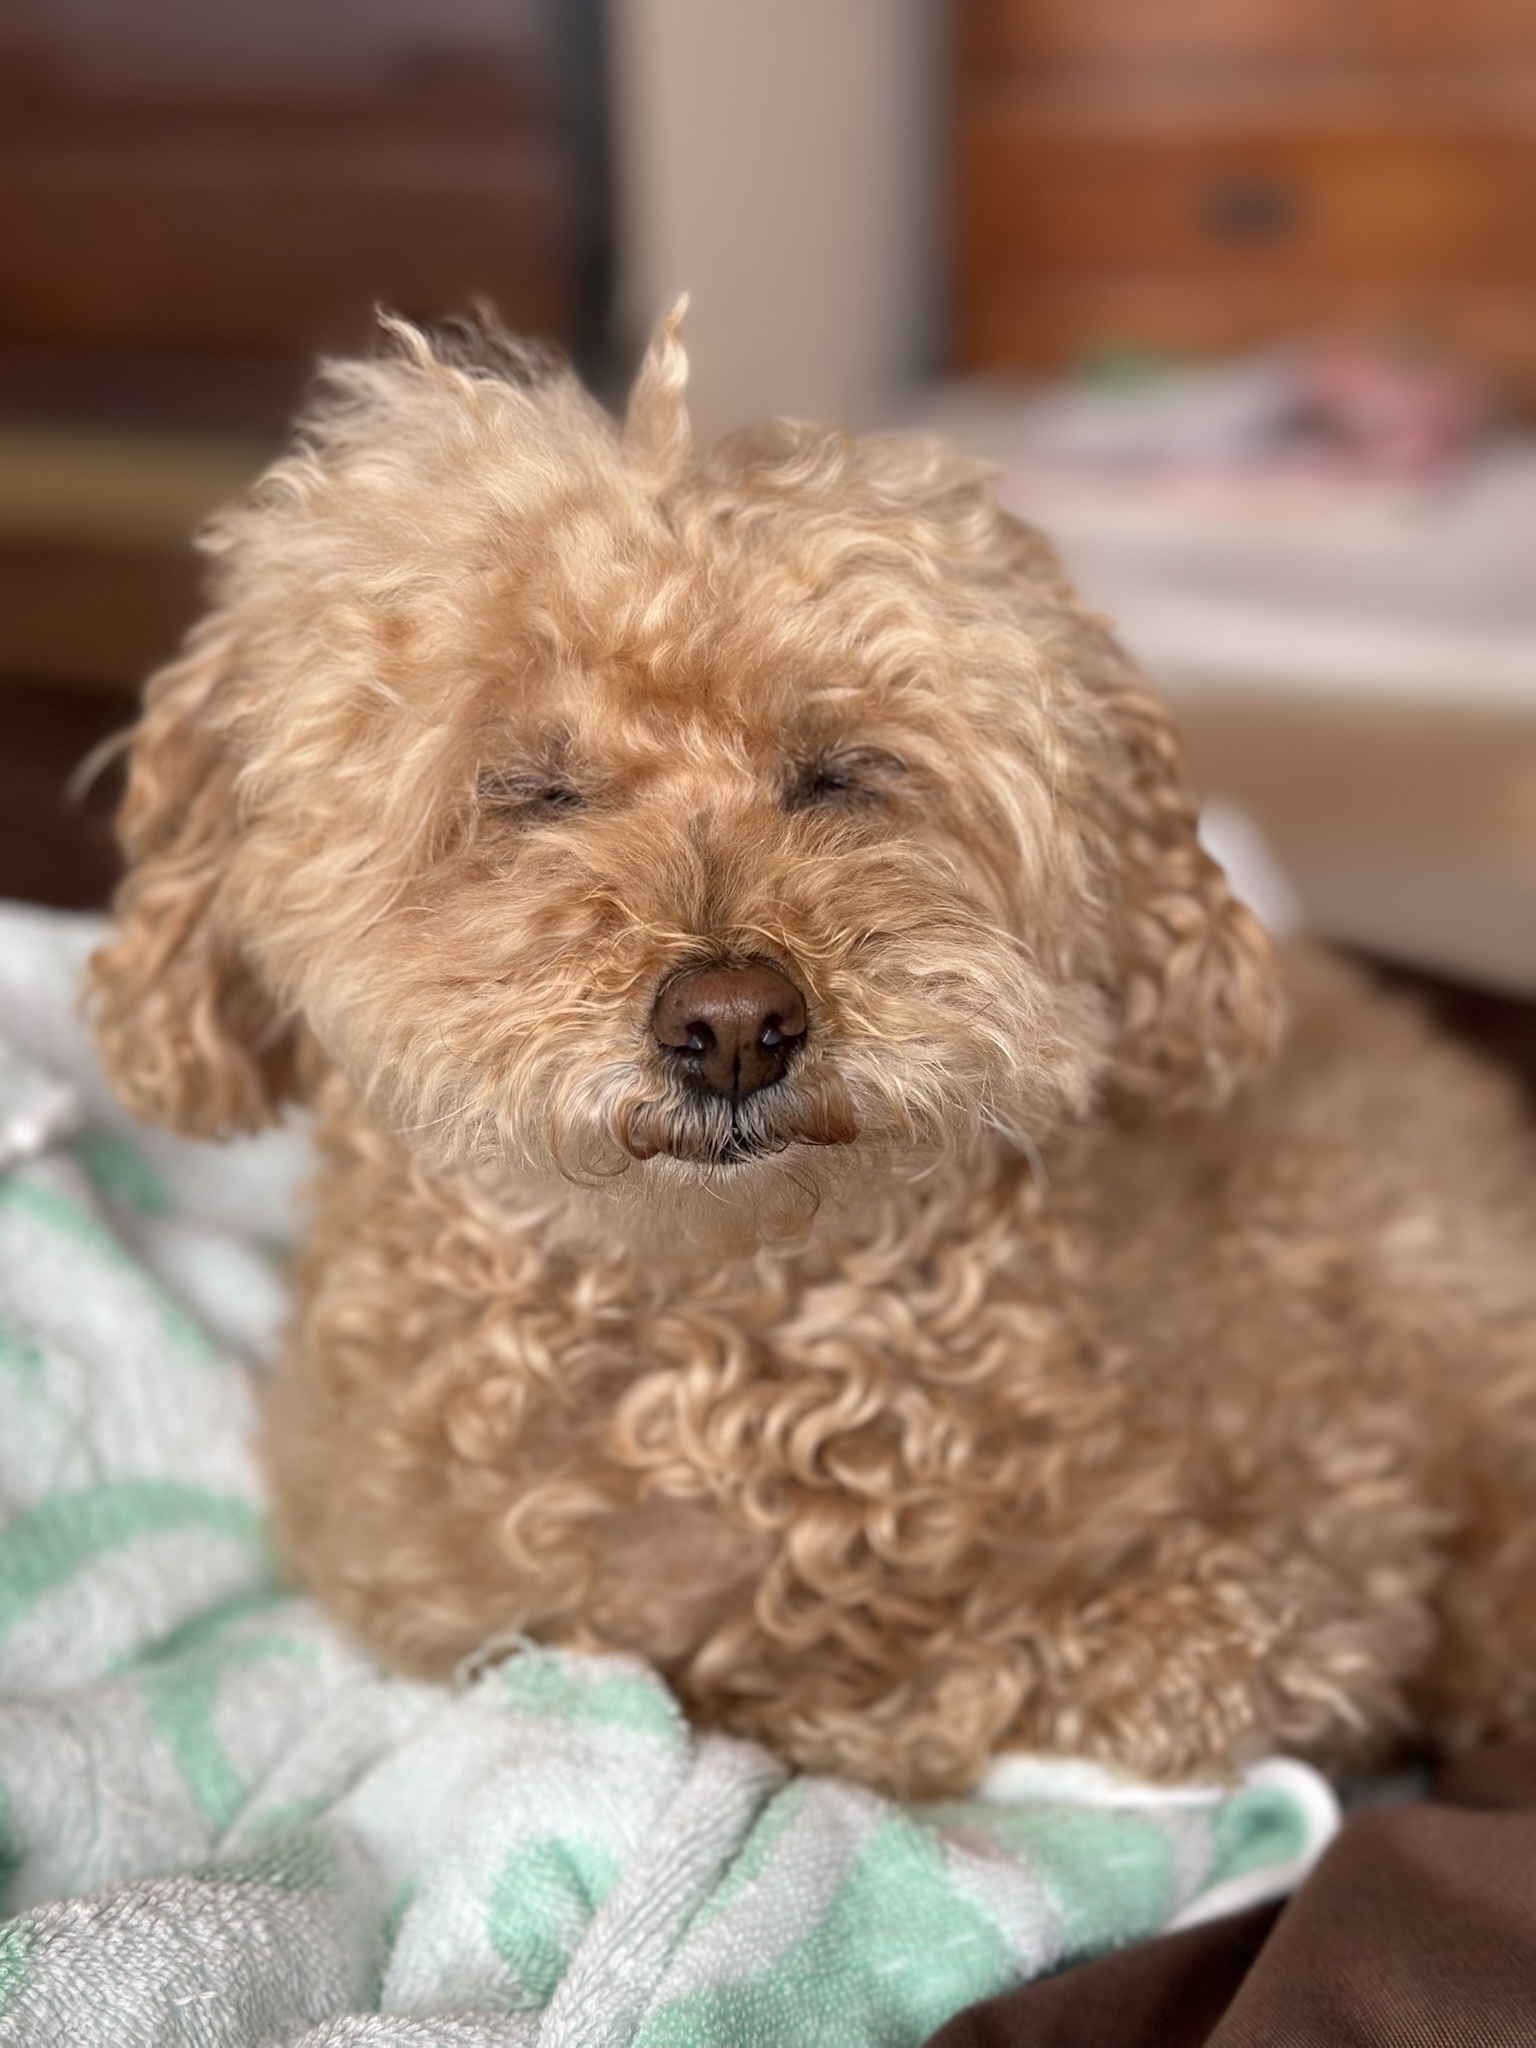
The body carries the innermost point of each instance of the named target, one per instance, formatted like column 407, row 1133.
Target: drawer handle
column 1250, row 209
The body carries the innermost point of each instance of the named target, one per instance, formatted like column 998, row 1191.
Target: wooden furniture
column 1200, row 175
column 193, row 205
column 251, row 184
column 272, row 230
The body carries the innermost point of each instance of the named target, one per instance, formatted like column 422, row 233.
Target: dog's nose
column 735, row 1029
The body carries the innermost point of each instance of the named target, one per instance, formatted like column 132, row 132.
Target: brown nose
column 734, row 1029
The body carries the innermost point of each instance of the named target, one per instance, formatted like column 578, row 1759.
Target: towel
column 221, row 1822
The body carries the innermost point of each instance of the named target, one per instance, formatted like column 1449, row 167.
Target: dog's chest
column 941, row 1365
column 927, row 1358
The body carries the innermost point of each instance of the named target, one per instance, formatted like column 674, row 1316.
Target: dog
column 822, row 1185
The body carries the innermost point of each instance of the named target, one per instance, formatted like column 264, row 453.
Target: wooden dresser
column 194, row 200
column 1200, row 175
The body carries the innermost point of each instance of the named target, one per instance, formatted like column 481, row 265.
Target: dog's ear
column 1199, row 998
column 187, row 1035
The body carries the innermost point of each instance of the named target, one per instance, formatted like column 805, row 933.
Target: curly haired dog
column 811, row 1194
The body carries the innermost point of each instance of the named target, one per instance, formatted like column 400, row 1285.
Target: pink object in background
column 1398, row 412
column 1316, row 421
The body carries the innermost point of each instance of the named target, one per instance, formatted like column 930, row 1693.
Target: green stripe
column 1257, row 1827
column 208, row 1630
column 182, row 1701
column 897, row 1951
column 540, row 1907
column 1109, row 1872
column 549, row 1687
column 48, row 1544
column 60, row 1214
column 121, row 1173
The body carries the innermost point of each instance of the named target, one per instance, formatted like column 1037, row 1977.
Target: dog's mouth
column 741, row 1150
column 713, row 1134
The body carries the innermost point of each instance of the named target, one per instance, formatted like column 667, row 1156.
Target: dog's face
column 730, row 825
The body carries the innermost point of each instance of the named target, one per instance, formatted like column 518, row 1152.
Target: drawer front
column 224, row 240
column 1051, row 323
column 1110, row 35
column 1242, row 205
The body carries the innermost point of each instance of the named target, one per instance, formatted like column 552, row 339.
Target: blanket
column 1418, row 1926
column 221, row 1822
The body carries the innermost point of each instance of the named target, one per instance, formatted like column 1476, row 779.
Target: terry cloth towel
column 222, row 1823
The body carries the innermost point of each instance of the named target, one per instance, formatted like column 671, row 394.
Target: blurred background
column 1239, row 295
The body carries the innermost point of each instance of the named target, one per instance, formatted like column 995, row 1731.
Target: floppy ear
column 187, row 1035
column 1199, row 995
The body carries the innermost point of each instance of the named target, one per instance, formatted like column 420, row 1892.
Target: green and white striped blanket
column 221, row 1823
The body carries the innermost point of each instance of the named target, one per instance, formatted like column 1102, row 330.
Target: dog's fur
column 1017, row 1370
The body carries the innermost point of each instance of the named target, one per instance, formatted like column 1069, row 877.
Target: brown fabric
column 1171, row 1992
column 1417, row 1930
column 1501, row 1777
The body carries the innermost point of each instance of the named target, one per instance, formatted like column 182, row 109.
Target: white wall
column 775, row 158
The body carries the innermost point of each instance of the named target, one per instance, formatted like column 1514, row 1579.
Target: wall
column 776, row 161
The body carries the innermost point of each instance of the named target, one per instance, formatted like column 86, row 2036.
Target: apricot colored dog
column 811, row 1193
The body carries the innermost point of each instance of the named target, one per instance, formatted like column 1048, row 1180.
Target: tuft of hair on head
column 657, row 433
column 474, row 343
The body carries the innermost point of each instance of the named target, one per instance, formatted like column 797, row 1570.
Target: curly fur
column 1040, row 1361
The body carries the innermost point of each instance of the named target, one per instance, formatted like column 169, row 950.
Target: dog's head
column 741, row 820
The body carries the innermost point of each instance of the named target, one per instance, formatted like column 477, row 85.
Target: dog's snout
column 735, row 1029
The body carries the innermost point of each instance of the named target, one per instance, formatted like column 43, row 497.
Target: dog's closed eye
column 842, row 781
column 528, row 795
